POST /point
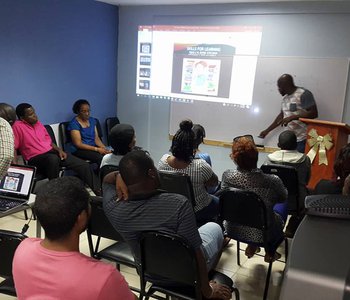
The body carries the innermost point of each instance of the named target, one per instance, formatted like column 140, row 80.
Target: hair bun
column 186, row 125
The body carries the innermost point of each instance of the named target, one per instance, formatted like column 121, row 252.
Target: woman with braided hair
column 183, row 160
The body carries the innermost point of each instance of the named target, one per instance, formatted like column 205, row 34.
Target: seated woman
column 199, row 135
column 268, row 187
column 123, row 139
column 341, row 169
column 183, row 160
column 346, row 187
column 86, row 142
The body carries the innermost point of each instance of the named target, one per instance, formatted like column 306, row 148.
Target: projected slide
column 202, row 69
column 199, row 76
column 198, row 63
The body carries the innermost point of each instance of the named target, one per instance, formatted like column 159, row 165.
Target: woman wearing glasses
column 86, row 142
column 268, row 187
column 183, row 160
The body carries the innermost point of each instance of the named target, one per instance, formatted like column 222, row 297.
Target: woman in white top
column 183, row 160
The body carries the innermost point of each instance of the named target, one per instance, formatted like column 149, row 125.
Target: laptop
column 16, row 187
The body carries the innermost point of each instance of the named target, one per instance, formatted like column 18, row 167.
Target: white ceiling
column 178, row 2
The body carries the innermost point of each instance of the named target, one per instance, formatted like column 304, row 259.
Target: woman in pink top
column 35, row 145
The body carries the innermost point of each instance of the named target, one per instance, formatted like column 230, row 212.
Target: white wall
column 314, row 29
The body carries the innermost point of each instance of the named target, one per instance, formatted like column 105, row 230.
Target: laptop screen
column 17, row 182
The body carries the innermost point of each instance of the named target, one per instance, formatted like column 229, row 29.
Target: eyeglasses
column 85, row 111
column 248, row 136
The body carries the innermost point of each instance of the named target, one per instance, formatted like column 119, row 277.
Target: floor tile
column 249, row 277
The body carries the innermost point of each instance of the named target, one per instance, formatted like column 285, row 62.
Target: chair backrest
column 64, row 134
column 110, row 123
column 289, row 177
column 106, row 169
column 51, row 133
column 178, row 183
column 169, row 257
column 244, row 208
column 99, row 224
column 9, row 242
column 99, row 128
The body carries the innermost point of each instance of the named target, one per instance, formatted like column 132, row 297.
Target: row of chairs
column 162, row 255
column 241, row 207
column 180, row 266
column 237, row 206
column 181, row 184
column 64, row 138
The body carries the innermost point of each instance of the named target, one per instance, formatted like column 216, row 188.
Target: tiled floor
column 249, row 277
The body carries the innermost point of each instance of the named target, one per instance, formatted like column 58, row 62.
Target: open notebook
column 16, row 187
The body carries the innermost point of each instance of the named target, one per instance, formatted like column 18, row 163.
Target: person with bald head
column 288, row 155
column 7, row 118
column 297, row 102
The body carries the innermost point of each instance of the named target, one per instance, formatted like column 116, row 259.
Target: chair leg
column 238, row 256
column 267, row 283
column 97, row 244
column 236, row 291
column 286, row 248
column 25, row 214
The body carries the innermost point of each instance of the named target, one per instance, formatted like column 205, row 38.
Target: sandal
column 271, row 258
column 251, row 250
column 227, row 240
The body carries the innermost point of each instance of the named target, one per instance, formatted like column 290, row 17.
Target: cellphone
column 293, row 107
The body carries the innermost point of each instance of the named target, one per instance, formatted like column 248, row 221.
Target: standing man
column 7, row 118
column 36, row 147
column 297, row 102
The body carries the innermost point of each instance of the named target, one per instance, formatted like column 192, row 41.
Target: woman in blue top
column 199, row 135
column 86, row 143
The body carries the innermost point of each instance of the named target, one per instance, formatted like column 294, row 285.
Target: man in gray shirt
column 297, row 102
column 146, row 208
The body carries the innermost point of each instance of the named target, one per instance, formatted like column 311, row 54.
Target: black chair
column 169, row 257
column 178, row 183
column 106, row 169
column 119, row 252
column 110, row 123
column 245, row 209
column 66, row 141
column 53, row 139
column 289, row 177
column 9, row 242
column 64, row 134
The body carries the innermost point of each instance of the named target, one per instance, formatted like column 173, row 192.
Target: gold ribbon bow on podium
column 320, row 143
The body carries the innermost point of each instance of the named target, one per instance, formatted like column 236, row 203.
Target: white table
column 22, row 208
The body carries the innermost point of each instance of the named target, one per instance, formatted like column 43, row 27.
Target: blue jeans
column 212, row 240
column 282, row 210
column 210, row 212
column 301, row 146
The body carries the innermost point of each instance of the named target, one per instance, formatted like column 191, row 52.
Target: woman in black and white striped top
column 183, row 160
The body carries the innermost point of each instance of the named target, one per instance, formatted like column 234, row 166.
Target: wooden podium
column 339, row 134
